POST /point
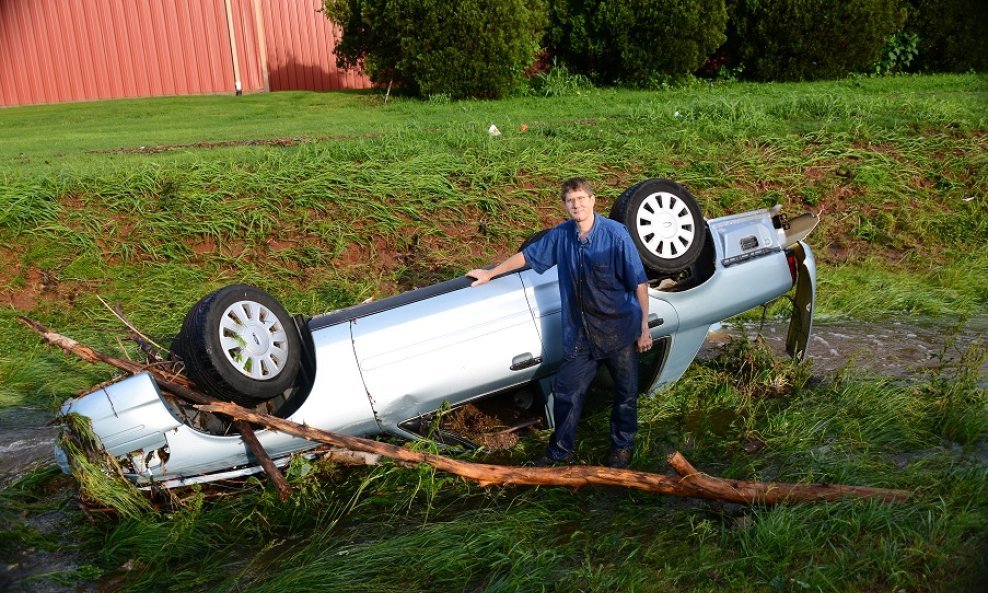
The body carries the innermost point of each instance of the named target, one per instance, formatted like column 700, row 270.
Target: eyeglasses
column 569, row 201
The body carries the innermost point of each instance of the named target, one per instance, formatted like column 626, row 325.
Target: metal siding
column 32, row 62
column 77, row 50
column 275, row 43
column 22, row 83
column 245, row 30
column 6, row 68
column 136, row 77
column 150, row 66
column 300, row 41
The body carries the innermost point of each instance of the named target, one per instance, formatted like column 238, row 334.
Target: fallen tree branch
column 690, row 483
column 173, row 383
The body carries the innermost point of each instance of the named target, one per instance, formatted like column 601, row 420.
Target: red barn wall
column 80, row 50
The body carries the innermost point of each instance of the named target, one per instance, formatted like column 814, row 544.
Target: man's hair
column 574, row 184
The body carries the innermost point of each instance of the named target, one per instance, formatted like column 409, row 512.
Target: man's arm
column 511, row 264
column 645, row 339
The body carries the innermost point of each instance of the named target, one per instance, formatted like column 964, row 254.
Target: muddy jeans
column 570, row 390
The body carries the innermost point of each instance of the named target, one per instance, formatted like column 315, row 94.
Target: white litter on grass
column 493, row 131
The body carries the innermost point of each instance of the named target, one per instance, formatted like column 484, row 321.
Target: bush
column 953, row 34
column 813, row 39
column 468, row 48
column 635, row 41
column 557, row 81
column 898, row 54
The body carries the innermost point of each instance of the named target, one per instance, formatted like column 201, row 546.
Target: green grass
column 370, row 198
column 387, row 528
column 367, row 199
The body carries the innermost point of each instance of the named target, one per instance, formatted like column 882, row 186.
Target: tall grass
column 388, row 528
column 365, row 199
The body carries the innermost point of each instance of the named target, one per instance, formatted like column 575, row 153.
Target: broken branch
column 691, row 483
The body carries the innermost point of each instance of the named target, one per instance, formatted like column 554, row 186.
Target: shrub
column 898, row 54
column 558, row 81
column 635, row 41
column 468, row 48
column 813, row 39
column 953, row 34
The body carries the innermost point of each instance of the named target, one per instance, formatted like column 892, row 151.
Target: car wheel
column 665, row 222
column 239, row 343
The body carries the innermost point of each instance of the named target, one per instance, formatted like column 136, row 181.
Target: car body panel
column 453, row 347
column 375, row 366
column 128, row 415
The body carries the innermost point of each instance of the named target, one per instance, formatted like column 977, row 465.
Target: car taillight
column 793, row 266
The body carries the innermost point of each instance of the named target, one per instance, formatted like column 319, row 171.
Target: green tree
column 635, row 41
column 813, row 39
column 468, row 48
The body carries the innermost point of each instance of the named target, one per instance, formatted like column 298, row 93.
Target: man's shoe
column 545, row 461
column 619, row 458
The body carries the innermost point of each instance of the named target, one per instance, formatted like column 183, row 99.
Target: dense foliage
column 788, row 40
column 635, row 41
column 471, row 48
column 953, row 34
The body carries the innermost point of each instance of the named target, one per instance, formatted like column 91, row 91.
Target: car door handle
column 523, row 361
column 655, row 321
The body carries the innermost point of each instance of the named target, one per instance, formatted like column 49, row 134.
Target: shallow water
column 26, row 441
column 896, row 349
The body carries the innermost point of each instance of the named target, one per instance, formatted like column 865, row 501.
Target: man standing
column 604, row 295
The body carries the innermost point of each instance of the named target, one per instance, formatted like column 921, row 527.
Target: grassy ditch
column 328, row 199
column 741, row 414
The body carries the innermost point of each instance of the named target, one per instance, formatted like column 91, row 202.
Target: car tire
column 238, row 343
column 665, row 222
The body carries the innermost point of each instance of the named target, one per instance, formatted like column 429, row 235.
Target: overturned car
column 388, row 366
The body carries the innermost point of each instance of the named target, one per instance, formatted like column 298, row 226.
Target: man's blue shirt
column 598, row 276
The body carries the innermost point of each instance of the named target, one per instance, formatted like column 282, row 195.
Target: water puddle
column 26, row 441
column 894, row 349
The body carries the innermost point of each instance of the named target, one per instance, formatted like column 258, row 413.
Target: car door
column 453, row 347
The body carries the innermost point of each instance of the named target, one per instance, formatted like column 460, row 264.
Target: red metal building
column 80, row 50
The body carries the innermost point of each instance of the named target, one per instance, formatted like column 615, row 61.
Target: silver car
column 387, row 366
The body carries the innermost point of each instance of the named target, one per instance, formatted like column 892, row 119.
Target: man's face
column 579, row 204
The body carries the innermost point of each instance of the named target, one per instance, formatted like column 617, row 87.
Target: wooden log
column 692, row 484
column 248, row 436
column 89, row 355
column 170, row 382
column 774, row 492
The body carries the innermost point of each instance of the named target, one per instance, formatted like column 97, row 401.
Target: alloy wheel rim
column 665, row 225
column 253, row 340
